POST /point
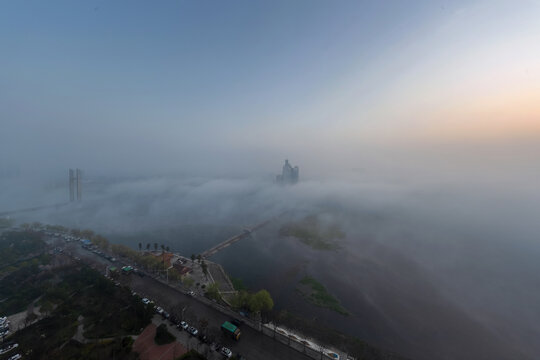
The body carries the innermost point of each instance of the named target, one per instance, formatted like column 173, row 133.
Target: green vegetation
column 212, row 291
column 15, row 246
column 310, row 232
column 163, row 336
column 317, row 294
column 22, row 285
column 260, row 301
column 77, row 292
column 100, row 242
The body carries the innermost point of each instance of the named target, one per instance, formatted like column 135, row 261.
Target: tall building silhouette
column 289, row 174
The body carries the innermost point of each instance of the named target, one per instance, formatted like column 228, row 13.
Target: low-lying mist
column 469, row 232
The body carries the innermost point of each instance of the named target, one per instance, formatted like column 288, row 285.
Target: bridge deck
column 232, row 240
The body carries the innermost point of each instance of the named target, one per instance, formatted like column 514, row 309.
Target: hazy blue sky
column 141, row 85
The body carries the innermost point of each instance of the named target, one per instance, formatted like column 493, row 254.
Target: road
column 252, row 345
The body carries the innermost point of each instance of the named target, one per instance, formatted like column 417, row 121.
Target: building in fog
column 289, row 174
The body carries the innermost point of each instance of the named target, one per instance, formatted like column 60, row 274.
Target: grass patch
column 310, row 232
column 163, row 336
column 316, row 293
column 16, row 245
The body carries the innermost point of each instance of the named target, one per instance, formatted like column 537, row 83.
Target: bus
column 231, row 330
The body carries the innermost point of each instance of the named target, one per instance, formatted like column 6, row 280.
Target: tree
column 240, row 299
column 140, row 246
column 168, row 249
column 148, row 246
column 212, row 291
column 192, row 258
column 100, row 242
column 155, row 246
column 199, row 258
column 261, row 301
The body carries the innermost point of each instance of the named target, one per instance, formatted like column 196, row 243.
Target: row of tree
column 258, row 302
column 148, row 245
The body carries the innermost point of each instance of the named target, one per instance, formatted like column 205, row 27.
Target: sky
column 133, row 87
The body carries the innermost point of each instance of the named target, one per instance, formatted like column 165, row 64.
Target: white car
column 15, row 357
column 225, row 351
column 145, row 301
column 159, row 310
column 191, row 293
column 184, row 325
column 193, row 331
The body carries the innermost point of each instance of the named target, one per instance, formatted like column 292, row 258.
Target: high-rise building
column 289, row 174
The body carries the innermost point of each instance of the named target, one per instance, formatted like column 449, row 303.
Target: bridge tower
column 75, row 184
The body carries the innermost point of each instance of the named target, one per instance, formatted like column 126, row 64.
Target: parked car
column 159, row 310
column 191, row 293
column 15, row 357
column 146, row 301
column 226, row 352
column 165, row 314
column 193, row 331
column 184, row 325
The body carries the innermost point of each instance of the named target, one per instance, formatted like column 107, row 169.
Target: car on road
column 193, row 331
column 15, row 357
column 226, row 352
column 146, row 301
column 184, row 325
